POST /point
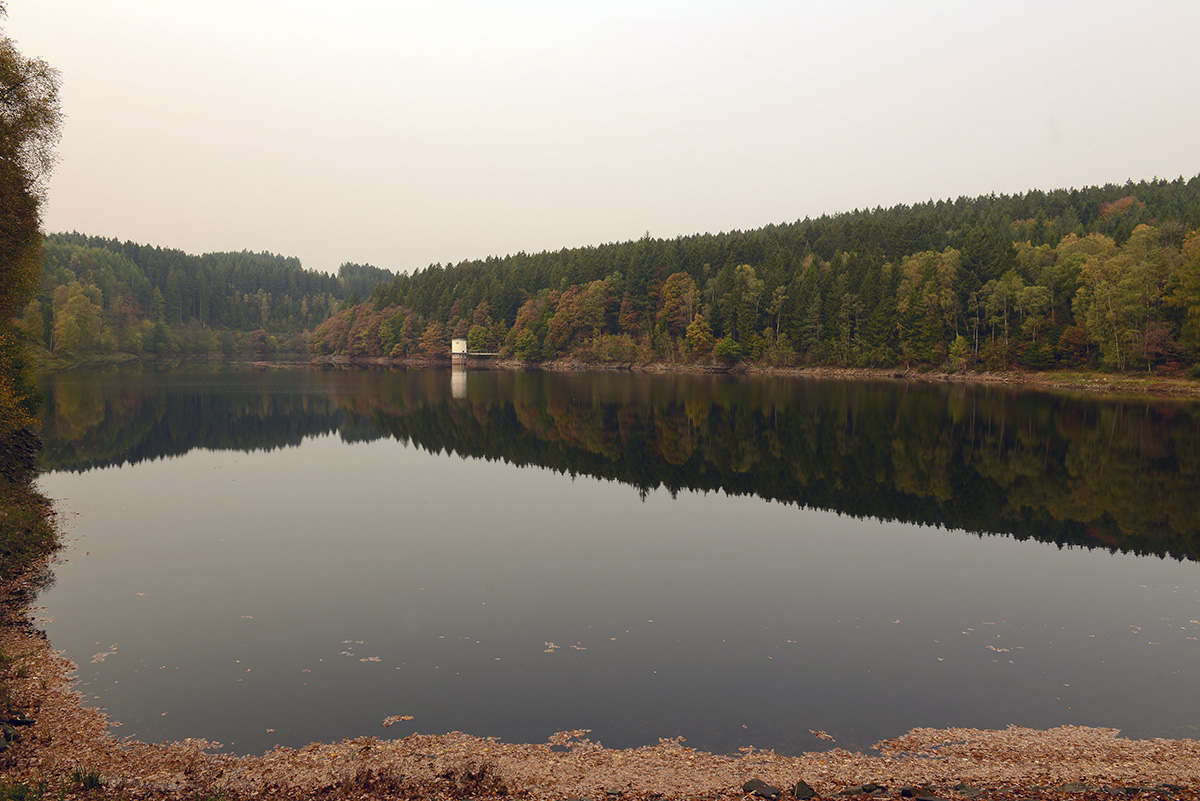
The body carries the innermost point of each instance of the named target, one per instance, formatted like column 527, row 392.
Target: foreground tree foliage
column 1100, row 277
column 29, row 129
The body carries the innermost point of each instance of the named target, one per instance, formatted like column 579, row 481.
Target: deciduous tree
column 699, row 336
column 29, row 129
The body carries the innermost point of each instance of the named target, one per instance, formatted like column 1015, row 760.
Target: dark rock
column 872, row 787
column 912, row 792
column 801, row 789
column 21, row 720
column 967, row 791
column 1074, row 787
column 761, row 789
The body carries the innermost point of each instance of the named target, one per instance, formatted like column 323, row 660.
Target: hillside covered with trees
column 1103, row 276
column 1096, row 277
column 100, row 295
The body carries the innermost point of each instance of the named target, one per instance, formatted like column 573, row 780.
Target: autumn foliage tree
column 29, row 129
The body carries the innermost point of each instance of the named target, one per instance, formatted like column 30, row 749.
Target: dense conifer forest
column 100, row 295
column 1101, row 277
column 1105, row 276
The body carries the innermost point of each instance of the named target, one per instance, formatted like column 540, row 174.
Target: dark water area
column 266, row 557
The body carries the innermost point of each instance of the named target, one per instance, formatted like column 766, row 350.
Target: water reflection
column 280, row 556
column 1121, row 475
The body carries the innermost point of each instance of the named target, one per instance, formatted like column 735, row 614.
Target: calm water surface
column 276, row 557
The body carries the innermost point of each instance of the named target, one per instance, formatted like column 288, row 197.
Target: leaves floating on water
column 100, row 657
column 395, row 719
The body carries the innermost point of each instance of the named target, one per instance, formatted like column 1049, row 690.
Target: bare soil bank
column 68, row 746
column 1130, row 384
column 1158, row 384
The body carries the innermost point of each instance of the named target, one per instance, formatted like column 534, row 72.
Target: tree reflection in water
column 1074, row 470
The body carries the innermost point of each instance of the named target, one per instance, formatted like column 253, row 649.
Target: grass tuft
column 22, row 792
column 87, row 779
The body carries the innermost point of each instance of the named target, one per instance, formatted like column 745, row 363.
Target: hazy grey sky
column 406, row 133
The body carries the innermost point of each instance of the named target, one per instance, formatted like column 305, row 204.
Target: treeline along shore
column 1098, row 278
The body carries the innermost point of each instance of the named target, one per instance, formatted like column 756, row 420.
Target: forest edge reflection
column 1118, row 474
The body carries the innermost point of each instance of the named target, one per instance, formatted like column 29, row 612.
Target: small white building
column 458, row 346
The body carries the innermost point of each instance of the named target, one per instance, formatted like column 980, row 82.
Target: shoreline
column 1161, row 384
column 1157, row 385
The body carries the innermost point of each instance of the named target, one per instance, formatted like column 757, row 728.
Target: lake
column 262, row 557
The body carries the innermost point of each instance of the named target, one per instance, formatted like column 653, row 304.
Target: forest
column 1105, row 277
column 1096, row 278
column 100, row 295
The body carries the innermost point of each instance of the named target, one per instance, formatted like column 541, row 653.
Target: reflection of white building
column 458, row 383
